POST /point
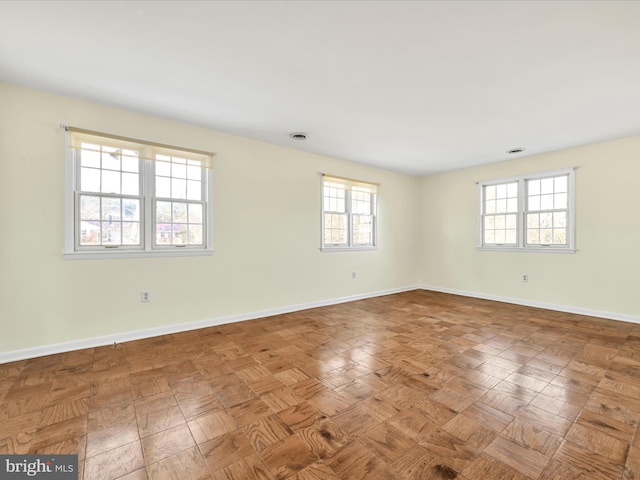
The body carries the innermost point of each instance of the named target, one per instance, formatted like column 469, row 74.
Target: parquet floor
column 417, row 385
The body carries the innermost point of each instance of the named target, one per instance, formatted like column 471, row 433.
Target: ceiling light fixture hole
column 515, row 150
column 298, row 135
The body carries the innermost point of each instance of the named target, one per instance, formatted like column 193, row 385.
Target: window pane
column 501, row 190
column 500, row 236
column 335, row 228
column 511, row 222
column 179, row 212
column 546, row 220
column 89, row 208
column 194, row 172
column 163, row 168
column 178, row 188
column 500, row 221
column 163, row 233
column 511, row 237
column 179, row 168
column 89, row 233
column 130, row 164
column 111, row 209
column 194, row 190
column 163, row 187
column 546, row 236
column 130, row 184
column 559, row 236
column 560, row 200
column 489, row 222
column 512, row 190
column 490, row 192
column 501, row 206
column 546, row 185
column 110, row 182
column 490, row 207
column 533, row 236
column 512, row 205
column 195, row 213
column 195, row 235
column 534, row 187
column 131, row 209
column 179, row 234
column 111, row 159
column 533, row 220
column 546, row 202
column 163, row 212
column 560, row 184
column 534, row 203
column 89, row 180
column 559, row 219
column 130, row 233
column 111, row 233
column 90, row 158
column 490, row 236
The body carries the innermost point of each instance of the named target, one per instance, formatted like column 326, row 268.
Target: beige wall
column 266, row 232
column 602, row 276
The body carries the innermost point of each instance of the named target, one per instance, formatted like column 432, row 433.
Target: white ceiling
column 416, row 87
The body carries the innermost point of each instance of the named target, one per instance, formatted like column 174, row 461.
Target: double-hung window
column 531, row 212
column 135, row 198
column 349, row 214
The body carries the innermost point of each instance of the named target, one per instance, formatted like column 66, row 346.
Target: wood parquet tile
column 416, row 385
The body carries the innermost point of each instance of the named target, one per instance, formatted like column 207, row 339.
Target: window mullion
column 148, row 185
column 521, row 217
column 349, row 209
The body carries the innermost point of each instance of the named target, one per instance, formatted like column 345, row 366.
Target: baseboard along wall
column 15, row 355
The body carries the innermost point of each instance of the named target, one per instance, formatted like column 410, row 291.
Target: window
column 349, row 214
column 129, row 197
column 531, row 212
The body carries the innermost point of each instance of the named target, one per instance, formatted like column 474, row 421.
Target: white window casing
column 528, row 213
column 130, row 198
column 349, row 214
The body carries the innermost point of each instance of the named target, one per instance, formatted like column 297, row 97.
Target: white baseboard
column 530, row 303
column 33, row 352
column 14, row 355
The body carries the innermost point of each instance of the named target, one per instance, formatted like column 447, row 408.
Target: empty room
column 319, row 240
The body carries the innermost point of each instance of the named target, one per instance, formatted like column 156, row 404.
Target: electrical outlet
column 145, row 296
column 525, row 278
column 354, row 275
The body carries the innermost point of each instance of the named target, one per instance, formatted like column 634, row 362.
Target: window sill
column 527, row 249
column 348, row 249
column 95, row 255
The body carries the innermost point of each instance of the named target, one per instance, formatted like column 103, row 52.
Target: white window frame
column 148, row 247
column 521, row 244
column 349, row 185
